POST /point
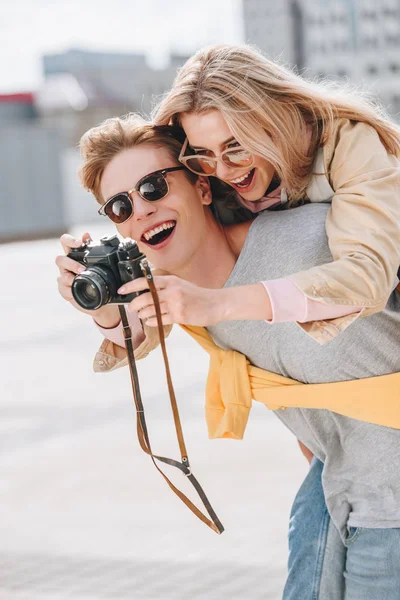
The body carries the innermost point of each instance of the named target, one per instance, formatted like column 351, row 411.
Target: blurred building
column 75, row 61
column 354, row 39
column 39, row 160
column 83, row 88
column 276, row 28
column 15, row 107
column 31, row 200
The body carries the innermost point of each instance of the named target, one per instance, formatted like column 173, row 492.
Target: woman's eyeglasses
column 202, row 164
column 152, row 187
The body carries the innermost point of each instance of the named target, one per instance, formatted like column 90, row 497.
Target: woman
column 190, row 253
column 278, row 140
column 298, row 141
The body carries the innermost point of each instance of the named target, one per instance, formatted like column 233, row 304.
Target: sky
column 31, row 28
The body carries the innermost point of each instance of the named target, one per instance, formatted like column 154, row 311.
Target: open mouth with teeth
column 244, row 182
column 154, row 237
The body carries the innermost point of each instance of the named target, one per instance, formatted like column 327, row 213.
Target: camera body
column 109, row 264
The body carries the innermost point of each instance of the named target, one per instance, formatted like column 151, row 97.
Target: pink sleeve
column 290, row 304
column 116, row 334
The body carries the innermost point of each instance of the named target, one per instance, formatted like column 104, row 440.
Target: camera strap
column 143, row 437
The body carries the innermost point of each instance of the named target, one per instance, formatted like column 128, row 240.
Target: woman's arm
column 189, row 304
column 363, row 224
column 289, row 303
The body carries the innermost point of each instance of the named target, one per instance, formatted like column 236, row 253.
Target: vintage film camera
column 109, row 264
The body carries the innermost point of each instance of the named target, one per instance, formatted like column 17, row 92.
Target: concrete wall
column 31, row 195
column 79, row 205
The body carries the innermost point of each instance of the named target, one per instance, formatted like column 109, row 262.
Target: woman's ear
column 203, row 184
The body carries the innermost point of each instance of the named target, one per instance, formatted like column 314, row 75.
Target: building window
column 394, row 67
column 392, row 40
column 368, row 15
column 340, row 45
column 372, row 70
column 391, row 12
column 396, row 104
column 369, row 42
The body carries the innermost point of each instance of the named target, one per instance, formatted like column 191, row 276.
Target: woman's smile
column 244, row 183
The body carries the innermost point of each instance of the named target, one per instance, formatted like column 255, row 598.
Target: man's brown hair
column 102, row 143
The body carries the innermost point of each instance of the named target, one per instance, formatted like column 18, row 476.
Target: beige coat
column 362, row 181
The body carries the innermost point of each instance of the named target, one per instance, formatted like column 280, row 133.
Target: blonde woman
column 277, row 141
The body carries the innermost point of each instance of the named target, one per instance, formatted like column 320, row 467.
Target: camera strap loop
column 142, row 432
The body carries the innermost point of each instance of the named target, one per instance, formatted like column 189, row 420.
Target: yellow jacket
column 233, row 382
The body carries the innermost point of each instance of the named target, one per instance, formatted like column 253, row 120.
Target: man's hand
column 188, row 304
column 106, row 316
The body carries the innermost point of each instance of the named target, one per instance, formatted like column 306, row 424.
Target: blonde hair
column 269, row 108
column 101, row 144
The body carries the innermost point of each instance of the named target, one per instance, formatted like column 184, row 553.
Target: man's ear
column 203, row 184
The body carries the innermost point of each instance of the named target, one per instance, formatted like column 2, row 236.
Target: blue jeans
column 321, row 567
column 372, row 570
column 312, row 536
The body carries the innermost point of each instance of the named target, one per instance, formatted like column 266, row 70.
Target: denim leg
column 332, row 574
column 310, row 530
column 372, row 564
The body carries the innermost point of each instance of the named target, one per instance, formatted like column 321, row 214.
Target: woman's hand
column 187, row 303
column 180, row 301
column 106, row 316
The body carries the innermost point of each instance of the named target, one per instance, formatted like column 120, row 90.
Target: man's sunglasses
column 152, row 187
column 203, row 164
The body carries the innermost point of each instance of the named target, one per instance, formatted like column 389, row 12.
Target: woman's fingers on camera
column 137, row 285
column 140, row 284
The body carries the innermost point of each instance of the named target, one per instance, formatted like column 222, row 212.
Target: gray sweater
column 361, row 475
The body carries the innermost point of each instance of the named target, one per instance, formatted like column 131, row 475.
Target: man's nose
column 142, row 208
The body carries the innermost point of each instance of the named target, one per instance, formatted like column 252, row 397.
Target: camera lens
column 94, row 288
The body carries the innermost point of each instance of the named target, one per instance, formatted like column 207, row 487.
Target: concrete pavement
column 84, row 513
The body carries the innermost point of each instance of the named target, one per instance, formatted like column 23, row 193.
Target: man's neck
column 213, row 264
